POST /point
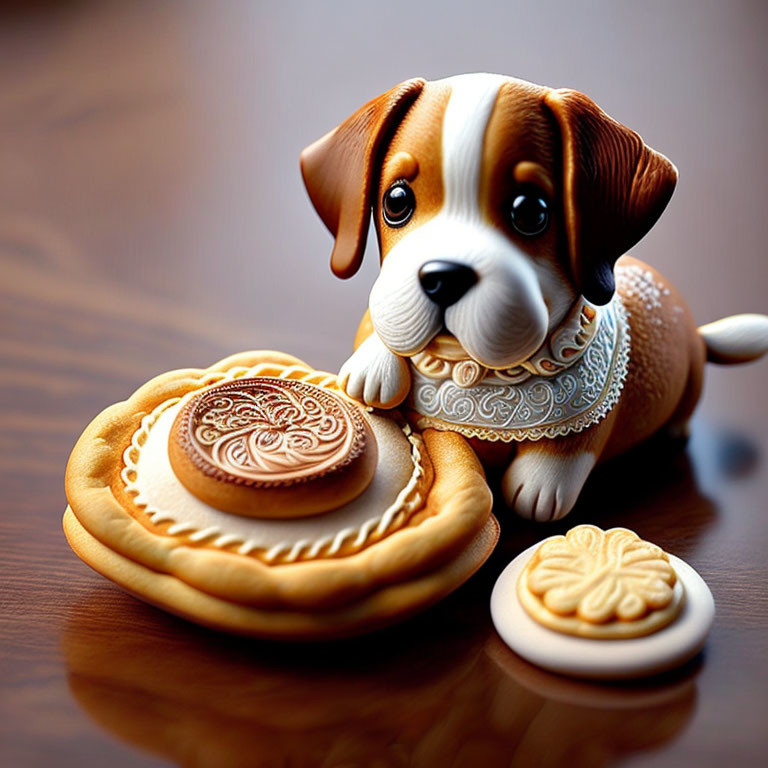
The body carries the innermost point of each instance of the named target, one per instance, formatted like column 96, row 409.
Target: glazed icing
column 265, row 432
column 396, row 489
column 575, row 389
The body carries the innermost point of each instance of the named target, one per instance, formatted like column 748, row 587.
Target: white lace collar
column 570, row 383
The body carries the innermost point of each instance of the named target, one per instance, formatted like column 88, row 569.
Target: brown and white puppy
column 498, row 204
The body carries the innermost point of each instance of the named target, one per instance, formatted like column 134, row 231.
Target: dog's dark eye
column 398, row 204
column 530, row 214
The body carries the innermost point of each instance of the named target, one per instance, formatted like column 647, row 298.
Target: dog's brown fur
column 663, row 381
column 608, row 188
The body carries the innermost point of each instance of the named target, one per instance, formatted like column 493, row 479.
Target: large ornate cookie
column 266, row 447
column 203, row 494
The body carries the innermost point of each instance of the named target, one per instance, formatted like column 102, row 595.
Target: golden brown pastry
column 600, row 584
column 419, row 529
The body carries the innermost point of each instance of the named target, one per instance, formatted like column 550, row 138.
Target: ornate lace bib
column 569, row 384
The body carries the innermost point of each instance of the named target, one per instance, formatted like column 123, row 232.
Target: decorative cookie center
column 265, row 431
column 600, row 583
column 602, row 576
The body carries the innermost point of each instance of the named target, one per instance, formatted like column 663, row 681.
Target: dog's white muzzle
column 500, row 321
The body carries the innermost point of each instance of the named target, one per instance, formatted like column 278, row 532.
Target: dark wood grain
column 152, row 217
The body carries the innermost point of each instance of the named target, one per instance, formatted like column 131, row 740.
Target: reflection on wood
column 152, row 217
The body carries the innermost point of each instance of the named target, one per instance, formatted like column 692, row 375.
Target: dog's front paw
column 375, row 375
column 544, row 486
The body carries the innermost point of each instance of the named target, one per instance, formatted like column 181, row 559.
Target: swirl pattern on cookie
column 270, row 431
column 269, row 447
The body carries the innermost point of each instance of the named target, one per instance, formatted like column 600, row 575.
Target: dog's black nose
column 445, row 282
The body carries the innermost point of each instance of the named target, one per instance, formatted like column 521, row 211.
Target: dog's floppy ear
column 339, row 172
column 614, row 189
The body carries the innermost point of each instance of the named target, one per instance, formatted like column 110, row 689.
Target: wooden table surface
column 152, row 217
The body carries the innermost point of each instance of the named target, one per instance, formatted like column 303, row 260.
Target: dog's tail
column 736, row 339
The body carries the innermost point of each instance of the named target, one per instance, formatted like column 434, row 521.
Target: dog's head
column 496, row 202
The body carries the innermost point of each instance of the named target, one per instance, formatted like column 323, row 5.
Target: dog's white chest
column 491, row 406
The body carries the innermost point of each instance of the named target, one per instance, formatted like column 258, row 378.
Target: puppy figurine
column 505, row 308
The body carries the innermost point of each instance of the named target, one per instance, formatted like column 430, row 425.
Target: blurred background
column 152, row 216
column 149, row 156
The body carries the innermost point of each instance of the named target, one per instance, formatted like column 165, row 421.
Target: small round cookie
column 600, row 584
column 272, row 448
column 601, row 604
column 419, row 529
